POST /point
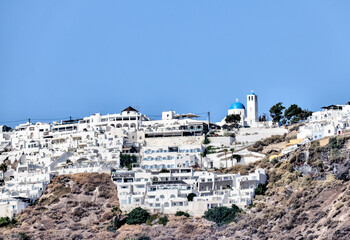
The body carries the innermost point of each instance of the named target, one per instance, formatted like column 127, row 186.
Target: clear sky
column 76, row 58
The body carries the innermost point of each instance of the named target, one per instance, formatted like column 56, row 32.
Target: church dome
column 237, row 105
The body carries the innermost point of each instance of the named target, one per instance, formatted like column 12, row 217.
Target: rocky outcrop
column 73, row 207
column 307, row 197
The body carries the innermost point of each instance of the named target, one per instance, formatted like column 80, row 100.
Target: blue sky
column 76, row 58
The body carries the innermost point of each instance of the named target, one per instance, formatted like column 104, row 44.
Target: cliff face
column 307, row 197
column 73, row 207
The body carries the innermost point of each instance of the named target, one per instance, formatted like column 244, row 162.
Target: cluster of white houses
column 332, row 120
column 34, row 152
column 167, row 151
column 167, row 191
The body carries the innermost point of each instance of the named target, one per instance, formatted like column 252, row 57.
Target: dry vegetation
column 73, row 207
column 259, row 146
column 307, row 197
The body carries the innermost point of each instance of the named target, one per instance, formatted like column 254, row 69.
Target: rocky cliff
column 73, row 207
column 307, row 197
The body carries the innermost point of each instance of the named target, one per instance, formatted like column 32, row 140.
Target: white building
column 158, row 157
column 332, row 120
column 167, row 191
column 38, row 151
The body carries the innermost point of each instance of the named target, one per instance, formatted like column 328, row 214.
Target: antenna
column 209, row 121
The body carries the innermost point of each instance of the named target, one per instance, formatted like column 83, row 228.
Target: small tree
column 6, row 221
column 163, row 220
column 305, row 114
column 261, row 189
column 206, row 140
column 181, row 213
column 237, row 157
column 116, row 210
column 191, row 196
column 137, row 216
column 233, row 120
column 222, row 215
column 276, row 112
column 127, row 160
column 294, row 113
column 263, row 118
column 3, row 167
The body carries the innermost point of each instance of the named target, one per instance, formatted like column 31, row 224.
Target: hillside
column 73, row 207
column 307, row 197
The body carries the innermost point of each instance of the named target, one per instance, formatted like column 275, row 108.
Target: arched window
column 166, row 204
column 172, row 196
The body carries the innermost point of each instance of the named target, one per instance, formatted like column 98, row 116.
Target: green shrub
column 210, row 150
column 151, row 219
column 137, row 216
column 23, row 236
column 261, row 189
column 127, row 160
column 237, row 157
column 163, row 220
column 278, row 165
column 116, row 210
column 6, row 221
column 206, row 140
column 222, row 215
column 144, row 238
column 191, row 196
column 181, row 213
column 337, row 142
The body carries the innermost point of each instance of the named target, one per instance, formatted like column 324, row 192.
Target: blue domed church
column 249, row 115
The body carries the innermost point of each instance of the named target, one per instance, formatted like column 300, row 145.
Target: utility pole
column 209, row 121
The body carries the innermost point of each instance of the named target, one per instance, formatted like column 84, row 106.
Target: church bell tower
column 252, row 109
